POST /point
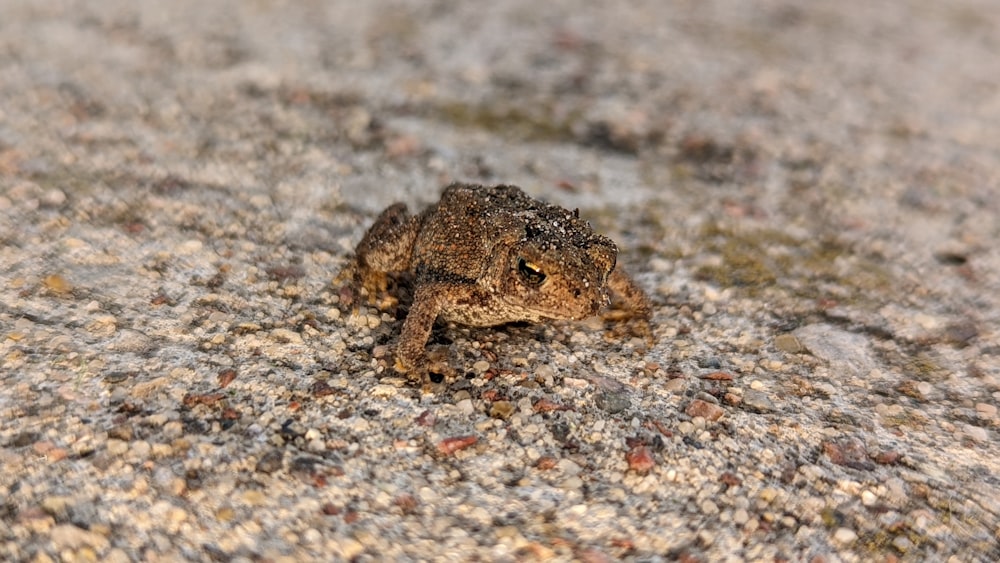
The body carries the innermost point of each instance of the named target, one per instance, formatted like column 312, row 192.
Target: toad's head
column 557, row 270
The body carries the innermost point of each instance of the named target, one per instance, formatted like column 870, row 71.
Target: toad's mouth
column 581, row 305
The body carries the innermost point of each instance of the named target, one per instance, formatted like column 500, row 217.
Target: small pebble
column 757, row 401
column 270, row 462
column 465, row 407
column 788, row 343
column 845, row 536
column 501, row 409
column 568, row 467
column 57, row 284
column 902, row 543
column 676, row 385
column 449, row 446
column 612, row 402
column 572, row 483
column 53, row 198
column 116, row 447
column 68, row 536
column 986, row 410
column 704, row 409
column 740, row 516
column 977, row 433
column 640, row 459
column 188, row 247
column 849, row 452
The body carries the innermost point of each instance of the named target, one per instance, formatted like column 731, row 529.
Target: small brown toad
column 485, row 256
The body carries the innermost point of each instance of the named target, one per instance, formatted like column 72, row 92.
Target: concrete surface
column 807, row 191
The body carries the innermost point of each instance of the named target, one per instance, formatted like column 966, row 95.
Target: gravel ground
column 807, row 192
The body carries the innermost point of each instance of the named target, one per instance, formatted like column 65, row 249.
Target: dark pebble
column 612, row 402
column 710, row 363
column 116, row 377
column 269, row 462
column 848, row 452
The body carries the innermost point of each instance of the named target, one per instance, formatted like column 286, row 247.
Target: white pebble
column 53, row 198
column 465, row 407
column 741, row 516
column 569, row 467
column 844, row 536
column 977, row 433
column 188, row 247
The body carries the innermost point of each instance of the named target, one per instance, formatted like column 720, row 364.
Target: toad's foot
column 425, row 370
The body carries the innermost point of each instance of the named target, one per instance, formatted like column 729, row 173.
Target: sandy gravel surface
column 808, row 192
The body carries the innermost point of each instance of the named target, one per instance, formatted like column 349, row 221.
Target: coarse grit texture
column 807, row 192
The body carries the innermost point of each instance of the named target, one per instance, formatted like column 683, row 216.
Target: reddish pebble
column 321, row 388
column 888, row 458
column 57, row 454
column 593, row 556
column 284, row 273
column 704, row 409
column 226, row 377
column 449, row 446
column 640, row 459
column 192, row 399
column 730, row 480
column 623, row 543
column 426, row 418
column 661, row 428
column 545, row 405
column 849, row 452
column 133, row 227
column 545, row 463
column 718, row 376
column 406, row 502
column 43, row 448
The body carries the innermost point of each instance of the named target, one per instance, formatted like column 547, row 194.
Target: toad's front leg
column 429, row 301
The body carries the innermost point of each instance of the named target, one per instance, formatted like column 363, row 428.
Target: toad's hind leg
column 630, row 304
column 635, row 303
column 387, row 247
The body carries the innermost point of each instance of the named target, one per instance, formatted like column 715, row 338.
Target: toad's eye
column 530, row 272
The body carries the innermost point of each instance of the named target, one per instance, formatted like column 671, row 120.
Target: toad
column 485, row 256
